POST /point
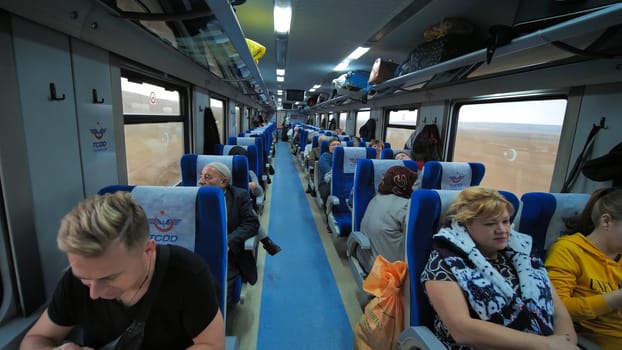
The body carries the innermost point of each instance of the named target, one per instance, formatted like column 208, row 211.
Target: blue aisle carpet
column 300, row 305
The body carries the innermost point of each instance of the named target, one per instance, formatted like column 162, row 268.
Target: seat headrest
column 455, row 175
column 351, row 155
column 171, row 212
column 203, row 160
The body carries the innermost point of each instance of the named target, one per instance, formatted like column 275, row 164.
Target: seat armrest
column 331, row 201
column 419, row 337
column 357, row 238
column 251, row 244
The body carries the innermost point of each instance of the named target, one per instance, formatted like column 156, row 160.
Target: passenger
column 314, row 155
column 256, row 190
column 326, row 165
column 486, row 287
column 242, row 223
column 356, row 141
column 384, row 221
column 401, row 155
column 378, row 145
column 586, row 269
column 114, row 270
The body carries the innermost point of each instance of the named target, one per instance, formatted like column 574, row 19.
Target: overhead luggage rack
column 209, row 33
column 536, row 48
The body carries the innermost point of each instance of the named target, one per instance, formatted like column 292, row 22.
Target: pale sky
column 547, row 112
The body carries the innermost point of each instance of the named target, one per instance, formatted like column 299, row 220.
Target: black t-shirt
column 185, row 304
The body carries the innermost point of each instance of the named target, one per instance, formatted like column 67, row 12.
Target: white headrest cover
column 171, row 212
column 203, row 160
column 455, row 175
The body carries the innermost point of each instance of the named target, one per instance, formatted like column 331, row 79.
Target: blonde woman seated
column 486, row 288
column 586, row 269
column 384, row 221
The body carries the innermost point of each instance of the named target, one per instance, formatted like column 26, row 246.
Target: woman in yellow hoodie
column 586, row 269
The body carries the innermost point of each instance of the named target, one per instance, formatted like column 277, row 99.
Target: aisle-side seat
column 367, row 177
column 191, row 217
column 253, row 164
column 191, row 167
column 343, row 167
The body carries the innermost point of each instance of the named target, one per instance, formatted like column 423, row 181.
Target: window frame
column 387, row 113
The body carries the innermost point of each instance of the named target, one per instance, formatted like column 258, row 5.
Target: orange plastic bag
column 383, row 318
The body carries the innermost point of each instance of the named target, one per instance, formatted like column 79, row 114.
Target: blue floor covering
column 300, row 305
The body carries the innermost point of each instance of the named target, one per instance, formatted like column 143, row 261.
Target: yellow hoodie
column 581, row 274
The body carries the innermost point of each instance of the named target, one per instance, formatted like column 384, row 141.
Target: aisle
column 300, row 306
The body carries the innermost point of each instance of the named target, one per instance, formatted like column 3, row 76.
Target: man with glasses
column 242, row 222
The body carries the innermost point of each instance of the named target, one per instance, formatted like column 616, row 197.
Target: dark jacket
column 242, row 223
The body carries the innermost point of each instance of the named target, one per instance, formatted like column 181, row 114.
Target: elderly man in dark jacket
column 242, row 222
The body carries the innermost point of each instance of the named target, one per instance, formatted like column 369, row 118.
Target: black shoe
column 271, row 170
column 269, row 181
column 313, row 194
column 271, row 247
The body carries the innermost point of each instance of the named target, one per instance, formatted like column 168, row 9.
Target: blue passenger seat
column 192, row 217
column 258, row 142
column 367, row 177
column 427, row 211
column 253, row 164
column 451, row 175
column 542, row 215
column 344, row 165
column 191, row 166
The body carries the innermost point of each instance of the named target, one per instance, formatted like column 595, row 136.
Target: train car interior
column 521, row 96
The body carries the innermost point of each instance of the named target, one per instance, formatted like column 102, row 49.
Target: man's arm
column 45, row 335
column 212, row 337
column 248, row 222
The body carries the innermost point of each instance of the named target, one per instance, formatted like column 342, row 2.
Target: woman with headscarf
column 384, row 222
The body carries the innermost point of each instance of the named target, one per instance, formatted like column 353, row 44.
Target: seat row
column 538, row 214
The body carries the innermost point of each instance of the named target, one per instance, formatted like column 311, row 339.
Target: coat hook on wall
column 601, row 124
column 95, row 100
column 53, row 96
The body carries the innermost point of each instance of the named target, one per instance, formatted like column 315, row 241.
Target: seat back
column 367, row 177
column 343, row 168
column 258, row 142
column 426, row 214
column 192, row 165
column 542, row 215
column 251, row 150
column 451, row 175
column 192, row 217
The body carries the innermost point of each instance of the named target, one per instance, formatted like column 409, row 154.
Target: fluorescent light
column 280, row 71
column 312, row 90
column 282, row 19
column 360, row 51
column 316, row 86
column 342, row 66
column 281, row 79
column 279, row 92
column 280, row 99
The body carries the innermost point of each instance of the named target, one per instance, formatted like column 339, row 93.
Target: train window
column 155, row 130
column 343, row 116
column 401, row 124
column 362, row 117
column 517, row 142
column 218, row 110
